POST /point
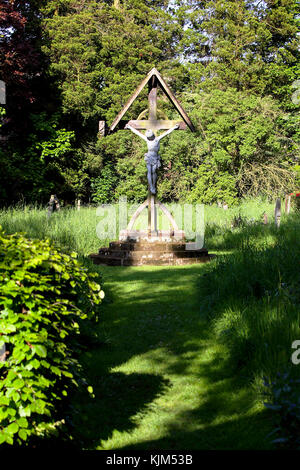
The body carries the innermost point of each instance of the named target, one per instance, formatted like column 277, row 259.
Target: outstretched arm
column 135, row 131
column 168, row 131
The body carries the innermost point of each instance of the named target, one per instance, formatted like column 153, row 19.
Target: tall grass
column 70, row 228
column 253, row 296
column 77, row 229
column 219, row 233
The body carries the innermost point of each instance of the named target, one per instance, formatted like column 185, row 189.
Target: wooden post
column 277, row 212
column 102, row 129
column 152, row 97
column 78, row 204
column 149, row 214
column 153, row 215
column 265, row 219
column 287, row 204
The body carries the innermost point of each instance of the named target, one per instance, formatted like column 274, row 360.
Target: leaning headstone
column 57, row 205
column 277, row 212
column 53, row 205
column 287, row 204
column 2, row 353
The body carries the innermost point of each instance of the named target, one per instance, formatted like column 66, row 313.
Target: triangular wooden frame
column 168, row 93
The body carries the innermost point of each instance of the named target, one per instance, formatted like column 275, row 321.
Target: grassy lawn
column 183, row 349
column 160, row 380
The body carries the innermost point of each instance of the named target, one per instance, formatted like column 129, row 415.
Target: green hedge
column 45, row 297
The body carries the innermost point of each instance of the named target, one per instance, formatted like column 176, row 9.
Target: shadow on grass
column 224, row 436
column 154, row 316
column 118, row 397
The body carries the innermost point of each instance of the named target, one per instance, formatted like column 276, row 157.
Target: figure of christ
column 152, row 157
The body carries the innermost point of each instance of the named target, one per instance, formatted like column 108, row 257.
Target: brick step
column 106, row 253
column 171, row 261
column 147, row 246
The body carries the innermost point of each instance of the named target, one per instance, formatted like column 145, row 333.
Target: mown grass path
column 160, row 380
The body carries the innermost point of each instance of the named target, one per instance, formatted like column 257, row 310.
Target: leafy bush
column 283, row 398
column 45, row 298
column 103, row 186
column 297, row 175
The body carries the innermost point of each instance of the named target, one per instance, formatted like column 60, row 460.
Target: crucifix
column 152, row 125
column 151, row 157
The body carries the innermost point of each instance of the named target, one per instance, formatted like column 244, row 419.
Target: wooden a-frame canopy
column 153, row 79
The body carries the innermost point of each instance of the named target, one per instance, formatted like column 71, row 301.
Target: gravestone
column 277, row 212
column 53, row 205
column 288, row 204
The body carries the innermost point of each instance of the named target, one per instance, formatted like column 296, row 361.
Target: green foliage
column 37, row 164
column 246, row 45
column 282, row 397
column 2, row 113
column 237, row 81
column 45, row 297
column 238, row 150
column 125, row 154
column 2, row 155
column 98, row 53
column 47, row 140
column 297, row 171
column 103, row 186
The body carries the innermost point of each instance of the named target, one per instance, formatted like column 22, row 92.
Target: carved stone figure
column 152, row 157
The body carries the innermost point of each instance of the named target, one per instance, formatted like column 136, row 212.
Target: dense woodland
column 67, row 64
column 149, row 357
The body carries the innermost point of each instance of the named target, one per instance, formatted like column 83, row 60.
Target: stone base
column 145, row 252
column 154, row 236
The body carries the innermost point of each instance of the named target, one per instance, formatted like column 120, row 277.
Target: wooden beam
column 173, row 100
column 102, row 129
column 152, row 97
column 131, row 100
column 157, row 125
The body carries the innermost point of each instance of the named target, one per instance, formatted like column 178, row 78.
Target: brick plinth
column 131, row 253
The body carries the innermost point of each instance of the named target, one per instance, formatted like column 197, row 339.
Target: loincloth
column 152, row 159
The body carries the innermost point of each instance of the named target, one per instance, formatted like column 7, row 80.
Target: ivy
column 45, row 298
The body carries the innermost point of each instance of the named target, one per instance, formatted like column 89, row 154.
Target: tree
column 99, row 51
column 243, row 44
column 238, row 150
column 20, row 60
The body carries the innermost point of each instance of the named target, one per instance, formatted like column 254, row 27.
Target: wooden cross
column 153, row 123
column 153, row 79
